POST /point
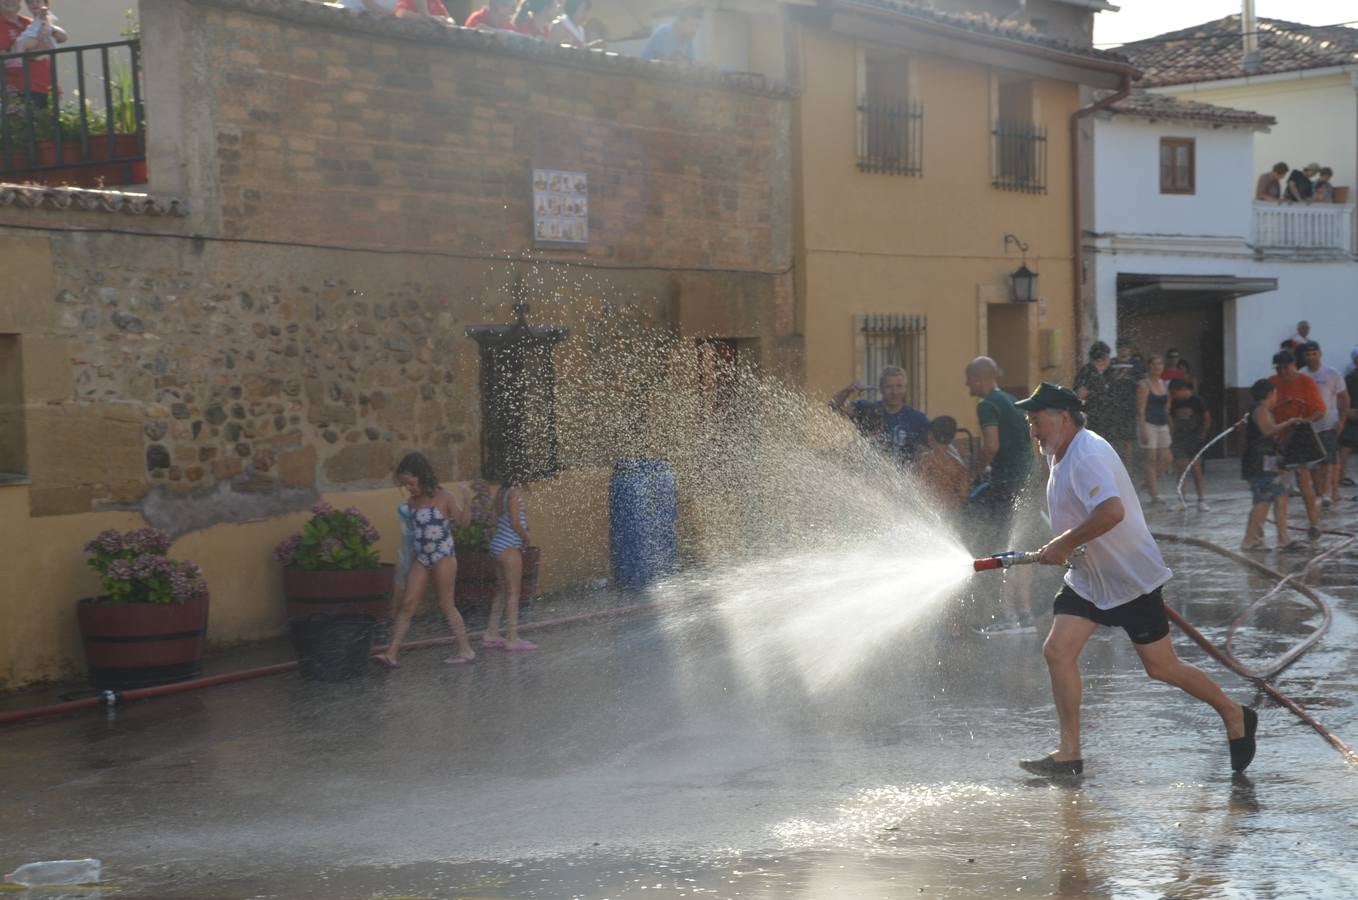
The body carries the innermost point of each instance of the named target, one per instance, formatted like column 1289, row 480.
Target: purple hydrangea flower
column 105, row 542
column 370, row 534
column 330, row 546
column 286, row 548
column 120, row 570
column 147, row 540
column 322, row 509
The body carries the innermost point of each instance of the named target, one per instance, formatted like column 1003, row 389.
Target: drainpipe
column 1249, row 32
column 1078, row 255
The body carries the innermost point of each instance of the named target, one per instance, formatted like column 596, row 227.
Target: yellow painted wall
column 874, row 243
column 45, row 571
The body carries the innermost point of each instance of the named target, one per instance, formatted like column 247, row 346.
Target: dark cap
column 1051, row 396
column 1306, row 347
column 1284, row 358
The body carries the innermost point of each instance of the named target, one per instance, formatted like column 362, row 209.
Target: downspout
column 1078, row 255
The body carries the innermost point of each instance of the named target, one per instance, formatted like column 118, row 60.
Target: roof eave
column 1113, row 71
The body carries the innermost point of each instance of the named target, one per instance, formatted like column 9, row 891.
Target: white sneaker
column 1204, row 506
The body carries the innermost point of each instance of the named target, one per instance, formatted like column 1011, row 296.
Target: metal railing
column 896, row 340
column 93, row 134
column 1302, row 229
column 891, row 138
column 1020, row 158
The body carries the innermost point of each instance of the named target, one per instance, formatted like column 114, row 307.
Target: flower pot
column 339, row 592
column 131, row 645
column 476, row 576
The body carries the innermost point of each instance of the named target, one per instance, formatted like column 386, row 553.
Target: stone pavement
column 631, row 758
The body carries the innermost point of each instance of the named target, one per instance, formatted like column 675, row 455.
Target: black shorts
column 1144, row 619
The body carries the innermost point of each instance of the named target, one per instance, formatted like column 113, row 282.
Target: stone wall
column 347, row 202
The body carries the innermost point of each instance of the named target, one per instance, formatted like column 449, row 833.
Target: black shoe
column 1053, row 768
column 1242, row 748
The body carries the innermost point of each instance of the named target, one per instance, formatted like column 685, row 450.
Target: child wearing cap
column 1189, row 423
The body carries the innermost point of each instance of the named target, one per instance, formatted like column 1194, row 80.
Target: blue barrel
column 642, row 517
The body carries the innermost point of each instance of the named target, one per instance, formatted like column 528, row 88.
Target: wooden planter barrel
column 131, row 645
column 476, row 577
column 339, row 592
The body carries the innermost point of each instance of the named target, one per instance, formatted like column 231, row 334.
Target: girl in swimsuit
column 433, row 512
column 511, row 536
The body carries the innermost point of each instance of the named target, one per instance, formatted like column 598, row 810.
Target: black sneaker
column 1242, row 748
column 1053, row 768
column 1313, row 533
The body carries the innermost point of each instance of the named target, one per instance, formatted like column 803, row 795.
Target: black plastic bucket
column 332, row 648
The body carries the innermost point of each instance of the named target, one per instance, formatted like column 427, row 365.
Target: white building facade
column 1178, row 253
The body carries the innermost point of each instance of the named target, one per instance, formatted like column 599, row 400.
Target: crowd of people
column 554, row 21
column 1283, row 184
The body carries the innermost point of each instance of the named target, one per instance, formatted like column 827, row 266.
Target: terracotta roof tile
column 984, row 23
column 31, row 196
column 1213, row 50
column 1145, row 105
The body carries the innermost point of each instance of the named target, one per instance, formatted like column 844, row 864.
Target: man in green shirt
column 1007, row 449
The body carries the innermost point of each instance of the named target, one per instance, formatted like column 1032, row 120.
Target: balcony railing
column 73, row 115
column 891, row 138
column 1020, row 158
column 1304, row 229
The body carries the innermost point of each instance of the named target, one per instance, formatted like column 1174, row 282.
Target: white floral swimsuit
column 433, row 536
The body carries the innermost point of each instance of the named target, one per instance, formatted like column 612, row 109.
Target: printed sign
column 560, row 207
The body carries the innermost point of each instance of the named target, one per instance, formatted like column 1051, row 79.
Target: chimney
column 1249, row 34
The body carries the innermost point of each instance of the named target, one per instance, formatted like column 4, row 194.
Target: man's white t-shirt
column 1331, row 385
column 1122, row 563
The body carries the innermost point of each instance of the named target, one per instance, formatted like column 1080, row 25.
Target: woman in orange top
column 1298, row 397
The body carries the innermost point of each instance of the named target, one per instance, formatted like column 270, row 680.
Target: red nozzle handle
column 986, row 564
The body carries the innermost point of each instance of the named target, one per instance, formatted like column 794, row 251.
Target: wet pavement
column 629, row 759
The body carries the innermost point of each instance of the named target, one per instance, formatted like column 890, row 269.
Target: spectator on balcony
column 25, row 34
column 531, row 18
column 1324, row 192
column 1269, row 187
column 432, row 10
column 1302, row 335
column 569, row 27
column 673, row 41
column 496, row 14
column 381, row 8
column 1299, row 186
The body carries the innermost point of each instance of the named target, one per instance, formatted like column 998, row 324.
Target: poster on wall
column 560, row 208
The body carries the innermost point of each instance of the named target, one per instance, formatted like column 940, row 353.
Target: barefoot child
column 433, row 512
column 1259, row 466
column 1189, row 423
column 511, row 536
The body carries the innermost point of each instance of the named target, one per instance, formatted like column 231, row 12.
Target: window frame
column 1172, row 185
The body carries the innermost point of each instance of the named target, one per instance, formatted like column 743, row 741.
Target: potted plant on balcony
column 331, row 566
column 148, row 624
column 475, row 566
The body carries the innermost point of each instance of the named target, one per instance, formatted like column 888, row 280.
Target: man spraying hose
column 1116, row 582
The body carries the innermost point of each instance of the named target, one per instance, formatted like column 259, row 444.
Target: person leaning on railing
column 1324, row 189
column 432, row 10
column 381, row 8
column 24, row 34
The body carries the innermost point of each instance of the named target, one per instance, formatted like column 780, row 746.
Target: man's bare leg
column 1062, row 652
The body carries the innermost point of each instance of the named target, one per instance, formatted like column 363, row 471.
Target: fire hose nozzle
column 1005, row 560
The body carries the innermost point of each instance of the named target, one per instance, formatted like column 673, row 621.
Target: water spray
column 1179, row 488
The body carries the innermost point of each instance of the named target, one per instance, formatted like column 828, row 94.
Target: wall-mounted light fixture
column 1023, row 280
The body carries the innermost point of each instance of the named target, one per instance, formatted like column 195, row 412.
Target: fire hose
column 1225, row 654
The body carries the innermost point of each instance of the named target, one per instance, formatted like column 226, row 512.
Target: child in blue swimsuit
column 429, row 529
column 511, row 537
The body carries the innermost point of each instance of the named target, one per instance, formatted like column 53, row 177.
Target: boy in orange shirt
column 1299, row 398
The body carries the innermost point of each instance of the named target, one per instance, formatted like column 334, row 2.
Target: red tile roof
column 1145, row 105
column 985, row 24
column 1214, row 50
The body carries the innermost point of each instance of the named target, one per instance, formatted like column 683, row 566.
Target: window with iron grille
column 1177, row 165
column 890, row 124
column 897, row 339
column 1020, row 158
